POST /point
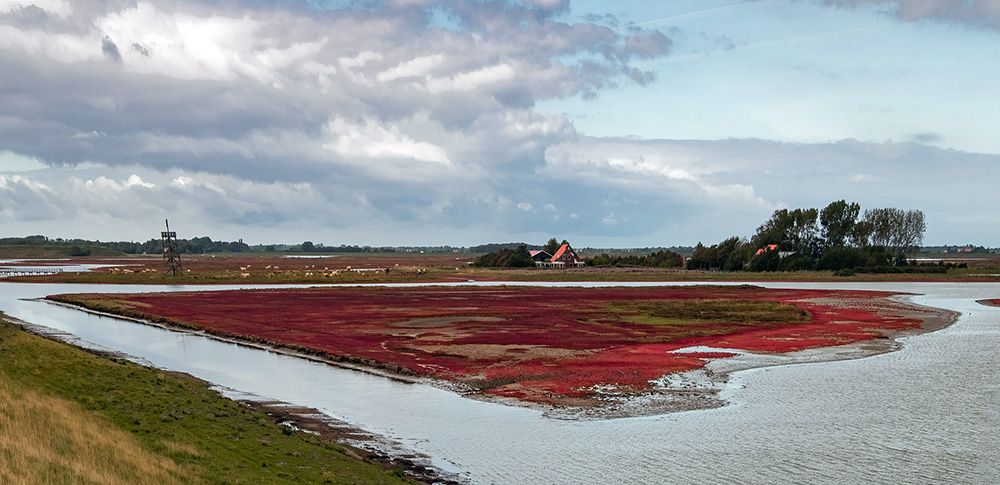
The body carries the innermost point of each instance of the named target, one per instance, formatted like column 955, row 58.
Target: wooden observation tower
column 171, row 253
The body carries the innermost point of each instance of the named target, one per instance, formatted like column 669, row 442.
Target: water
column 929, row 413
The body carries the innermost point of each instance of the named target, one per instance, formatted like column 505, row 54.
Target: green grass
column 709, row 311
column 176, row 418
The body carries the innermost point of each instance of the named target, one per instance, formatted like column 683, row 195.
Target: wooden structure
column 171, row 253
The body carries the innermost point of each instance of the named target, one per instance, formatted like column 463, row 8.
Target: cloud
column 974, row 13
column 110, row 49
column 385, row 125
column 206, row 84
column 612, row 191
column 468, row 81
column 414, row 67
column 370, row 140
column 60, row 8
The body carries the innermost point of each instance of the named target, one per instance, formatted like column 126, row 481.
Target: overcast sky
column 406, row 122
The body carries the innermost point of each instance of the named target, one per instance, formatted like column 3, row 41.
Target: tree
column 894, row 229
column 506, row 258
column 728, row 255
column 793, row 230
column 308, row 247
column 838, row 220
column 774, row 230
column 552, row 246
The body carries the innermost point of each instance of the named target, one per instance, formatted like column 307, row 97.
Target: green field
column 69, row 416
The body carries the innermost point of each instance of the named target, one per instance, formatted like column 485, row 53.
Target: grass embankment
column 68, row 416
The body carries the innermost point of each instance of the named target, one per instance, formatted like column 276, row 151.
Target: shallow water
column 929, row 413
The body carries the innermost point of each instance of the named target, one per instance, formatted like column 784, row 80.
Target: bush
column 797, row 262
column 78, row 251
column 506, row 258
column 659, row 259
column 837, row 258
column 766, row 261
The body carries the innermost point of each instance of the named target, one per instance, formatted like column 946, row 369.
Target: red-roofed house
column 565, row 257
column 769, row 247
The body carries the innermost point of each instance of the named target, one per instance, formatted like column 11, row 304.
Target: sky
column 431, row 122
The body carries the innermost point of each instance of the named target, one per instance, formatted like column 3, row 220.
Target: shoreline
column 300, row 418
column 677, row 392
column 989, row 302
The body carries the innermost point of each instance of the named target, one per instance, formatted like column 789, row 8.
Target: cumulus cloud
column 258, row 119
column 371, row 140
column 60, row 8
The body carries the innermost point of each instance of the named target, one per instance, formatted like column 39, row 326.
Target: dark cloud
column 974, row 13
column 389, row 127
column 611, row 190
column 254, row 98
column 110, row 49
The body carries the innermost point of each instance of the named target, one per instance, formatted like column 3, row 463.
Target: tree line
column 83, row 247
column 837, row 237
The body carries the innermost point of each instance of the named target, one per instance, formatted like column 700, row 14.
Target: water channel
column 928, row 413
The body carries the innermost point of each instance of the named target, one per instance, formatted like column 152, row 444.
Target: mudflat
column 563, row 347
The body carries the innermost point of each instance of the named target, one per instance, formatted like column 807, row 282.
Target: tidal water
column 928, row 413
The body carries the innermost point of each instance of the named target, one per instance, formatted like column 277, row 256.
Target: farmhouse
column 565, row 257
column 774, row 247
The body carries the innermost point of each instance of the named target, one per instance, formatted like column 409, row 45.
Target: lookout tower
column 171, row 254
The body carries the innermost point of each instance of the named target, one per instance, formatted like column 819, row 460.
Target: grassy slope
column 88, row 419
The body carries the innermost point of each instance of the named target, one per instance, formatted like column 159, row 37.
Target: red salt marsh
column 542, row 345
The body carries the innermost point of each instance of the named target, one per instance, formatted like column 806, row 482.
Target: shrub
column 766, row 261
column 506, row 258
column 837, row 258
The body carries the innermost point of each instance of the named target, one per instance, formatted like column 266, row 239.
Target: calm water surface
column 929, row 413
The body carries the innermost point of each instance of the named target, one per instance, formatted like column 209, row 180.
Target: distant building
column 565, row 257
column 774, row 247
column 538, row 255
column 769, row 247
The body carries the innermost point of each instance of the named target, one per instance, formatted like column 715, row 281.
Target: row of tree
column 837, row 237
column 505, row 256
column 518, row 257
column 658, row 259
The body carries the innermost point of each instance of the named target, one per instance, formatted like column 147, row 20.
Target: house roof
column 769, row 247
column 559, row 253
column 536, row 252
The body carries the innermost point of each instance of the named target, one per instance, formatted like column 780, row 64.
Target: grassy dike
column 69, row 416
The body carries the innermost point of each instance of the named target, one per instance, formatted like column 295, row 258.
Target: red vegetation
column 537, row 344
